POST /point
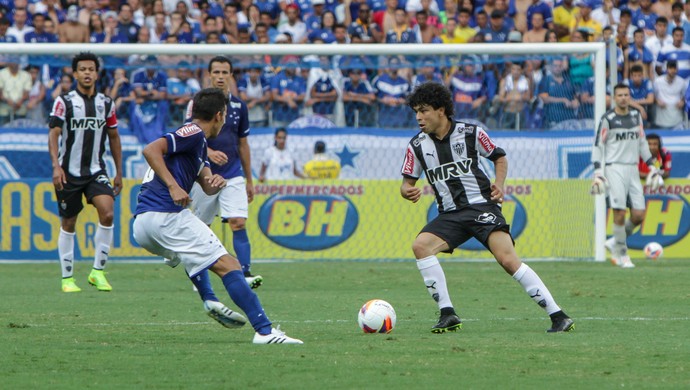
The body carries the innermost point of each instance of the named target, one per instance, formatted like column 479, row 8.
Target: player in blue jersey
column 230, row 157
column 164, row 225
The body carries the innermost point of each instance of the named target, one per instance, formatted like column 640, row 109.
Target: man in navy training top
column 164, row 226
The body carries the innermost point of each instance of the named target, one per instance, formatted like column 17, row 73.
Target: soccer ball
column 376, row 316
column 653, row 250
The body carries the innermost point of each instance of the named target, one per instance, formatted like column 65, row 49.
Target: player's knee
column 106, row 217
column 237, row 223
column 68, row 224
column 421, row 249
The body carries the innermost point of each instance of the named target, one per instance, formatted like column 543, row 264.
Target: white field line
column 341, row 321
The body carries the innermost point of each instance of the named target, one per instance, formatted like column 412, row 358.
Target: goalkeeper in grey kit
column 619, row 143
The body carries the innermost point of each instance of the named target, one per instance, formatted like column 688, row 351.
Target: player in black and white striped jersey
column 469, row 205
column 79, row 123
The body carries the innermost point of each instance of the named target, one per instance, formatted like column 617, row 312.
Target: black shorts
column 69, row 199
column 478, row 221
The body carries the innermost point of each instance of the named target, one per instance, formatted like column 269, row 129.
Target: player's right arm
column 598, row 151
column 57, row 118
column 153, row 153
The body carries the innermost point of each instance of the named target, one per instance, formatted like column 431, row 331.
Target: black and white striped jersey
column 84, row 121
column 452, row 165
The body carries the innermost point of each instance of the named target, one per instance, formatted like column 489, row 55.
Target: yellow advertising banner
column 356, row 220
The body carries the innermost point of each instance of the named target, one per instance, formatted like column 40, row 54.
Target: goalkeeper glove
column 599, row 183
column 654, row 179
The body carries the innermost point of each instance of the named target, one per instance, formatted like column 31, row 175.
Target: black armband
column 597, row 165
column 496, row 154
column 55, row 122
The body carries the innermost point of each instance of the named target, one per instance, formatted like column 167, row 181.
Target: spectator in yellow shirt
column 321, row 166
column 583, row 22
column 563, row 15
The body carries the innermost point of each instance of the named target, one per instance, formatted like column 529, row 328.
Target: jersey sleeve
column 184, row 139
column 666, row 164
column 411, row 167
column 243, row 127
column 188, row 112
column 599, row 143
column 57, row 114
column 111, row 119
column 486, row 147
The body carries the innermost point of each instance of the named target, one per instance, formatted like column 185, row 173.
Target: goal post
column 495, row 51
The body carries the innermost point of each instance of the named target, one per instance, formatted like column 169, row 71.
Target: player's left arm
column 501, row 168
column 486, row 148
column 246, row 161
column 115, row 148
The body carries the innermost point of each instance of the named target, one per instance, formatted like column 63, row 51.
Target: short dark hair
column 222, row 60
column 320, row 147
column 638, row 31
column 280, row 130
column 636, row 68
column 84, row 56
column 654, row 136
column 620, row 86
column 678, row 29
column 661, row 19
column 208, row 102
column 677, row 5
column 432, row 94
column 672, row 64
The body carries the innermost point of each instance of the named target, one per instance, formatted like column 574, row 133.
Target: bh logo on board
column 667, row 221
column 513, row 211
column 308, row 223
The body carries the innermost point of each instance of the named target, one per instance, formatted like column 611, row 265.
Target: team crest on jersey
column 103, row 179
column 459, row 148
column 419, row 140
column 488, row 218
column 186, row 131
column 467, row 129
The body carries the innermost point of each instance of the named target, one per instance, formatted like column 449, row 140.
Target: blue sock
column 240, row 242
column 203, row 283
column 245, row 299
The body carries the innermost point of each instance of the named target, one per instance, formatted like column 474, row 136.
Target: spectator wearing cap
column 255, row 91
column 401, row 32
column 426, row 72
column 358, row 99
column 678, row 19
column 149, row 83
column 539, row 6
column 71, row 31
column 607, row 14
column 645, row 19
column 323, row 94
column 180, row 90
column 583, row 22
column 321, row 166
column 391, row 92
column 537, row 33
column 289, row 90
column 294, row 26
column 313, row 19
column 367, row 30
column 469, row 90
column 669, row 92
column 563, row 16
column 678, row 51
column 661, row 38
column 498, row 30
column 20, row 28
column 283, row 38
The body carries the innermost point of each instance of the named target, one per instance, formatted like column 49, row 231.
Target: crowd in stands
column 652, row 39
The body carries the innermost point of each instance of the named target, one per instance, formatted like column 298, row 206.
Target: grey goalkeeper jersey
column 620, row 139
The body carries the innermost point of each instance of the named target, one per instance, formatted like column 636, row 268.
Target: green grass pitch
column 631, row 331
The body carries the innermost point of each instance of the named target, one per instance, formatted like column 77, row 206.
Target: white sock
column 629, row 227
column 535, row 288
column 621, row 246
column 435, row 280
column 102, row 240
column 66, row 253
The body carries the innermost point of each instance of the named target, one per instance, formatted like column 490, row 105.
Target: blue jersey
column 644, row 21
column 324, row 85
column 638, row 92
column 158, row 81
column 34, row 37
column 294, row 84
column 236, row 126
column 542, row 8
column 643, row 55
column 185, row 159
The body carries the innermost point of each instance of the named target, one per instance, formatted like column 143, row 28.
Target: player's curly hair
column 85, row 56
column 208, row 102
column 432, row 94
